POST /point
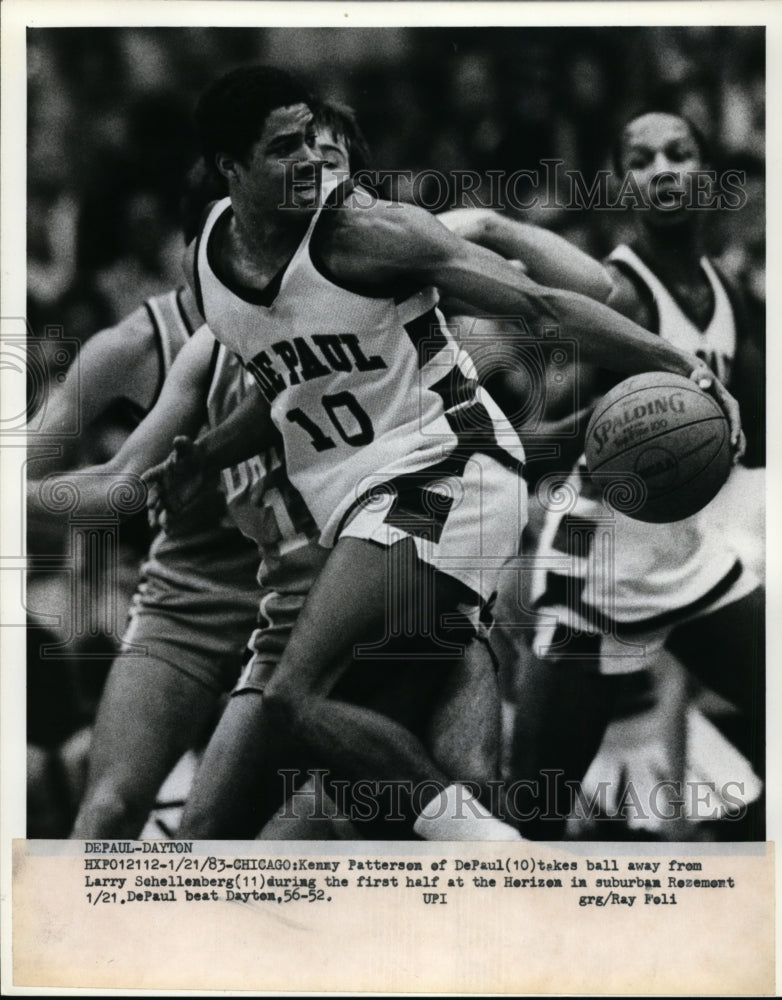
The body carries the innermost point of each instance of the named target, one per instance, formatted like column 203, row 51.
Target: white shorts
column 465, row 516
column 581, row 633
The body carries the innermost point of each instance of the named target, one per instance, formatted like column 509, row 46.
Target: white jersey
column 606, row 566
column 716, row 344
column 361, row 389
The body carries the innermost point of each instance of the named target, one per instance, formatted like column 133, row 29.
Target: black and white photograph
column 391, row 457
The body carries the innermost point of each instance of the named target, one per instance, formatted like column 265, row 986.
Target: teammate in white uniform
column 372, row 268
column 617, row 612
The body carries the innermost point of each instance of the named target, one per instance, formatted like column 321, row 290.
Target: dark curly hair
column 231, row 113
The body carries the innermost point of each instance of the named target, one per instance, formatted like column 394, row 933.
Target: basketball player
column 677, row 588
column 105, row 394
column 399, row 462
column 471, row 744
column 198, row 601
column 156, row 706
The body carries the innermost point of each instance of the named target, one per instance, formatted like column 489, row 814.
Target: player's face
column 334, row 154
column 661, row 152
column 283, row 167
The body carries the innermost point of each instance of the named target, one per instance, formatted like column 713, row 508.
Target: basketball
column 658, row 447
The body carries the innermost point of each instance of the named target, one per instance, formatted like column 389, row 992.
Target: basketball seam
column 648, row 440
column 699, row 393
column 686, row 482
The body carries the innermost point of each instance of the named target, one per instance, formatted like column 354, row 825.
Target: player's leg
column 150, row 714
column 563, row 709
column 238, row 780
column 634, row 786
column 451, row 705
column 726, row 651
column 464, row 728
column 310, row 814
column 347, row 606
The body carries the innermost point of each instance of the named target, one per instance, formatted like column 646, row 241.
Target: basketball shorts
column 385, row 683
column 201, row 633
column 580, row 633
column 276, row 617
column 464, row 515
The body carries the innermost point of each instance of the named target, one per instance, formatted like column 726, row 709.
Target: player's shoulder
column 129, row 340
column 358, row 208
column 629, row 295
column 371, row 231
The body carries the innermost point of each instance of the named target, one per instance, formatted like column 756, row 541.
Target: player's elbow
column 282, row 703
column 485, row 228
column 600, row 286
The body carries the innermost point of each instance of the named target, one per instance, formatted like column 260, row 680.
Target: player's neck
column 260, row 243
column 672, row 248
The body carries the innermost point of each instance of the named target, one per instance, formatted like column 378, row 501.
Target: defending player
column 681, row 586
column 183, row 645
column 106, row 394
column 401, row 422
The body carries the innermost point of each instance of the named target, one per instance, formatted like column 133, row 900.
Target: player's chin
column 304, row 198
column 664, row 218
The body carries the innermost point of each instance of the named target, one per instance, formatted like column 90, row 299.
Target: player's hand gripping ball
column 670, row 434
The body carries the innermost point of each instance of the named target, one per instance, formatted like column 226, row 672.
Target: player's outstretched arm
column 117, row 363
column 179, row 409
column 177, row 486
column 247, row 431
column 388, row 243
column 547, row 258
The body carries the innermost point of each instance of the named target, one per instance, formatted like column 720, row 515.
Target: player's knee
column 481, row 766
column 110, row 810
column 282, row 703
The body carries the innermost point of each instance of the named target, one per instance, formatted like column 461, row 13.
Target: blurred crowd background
column 110, row 140
column 110, row 133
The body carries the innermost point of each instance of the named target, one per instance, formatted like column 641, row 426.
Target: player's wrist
column 206, row 453
column 684, row 364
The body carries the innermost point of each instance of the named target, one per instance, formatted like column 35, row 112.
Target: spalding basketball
column 660, row 446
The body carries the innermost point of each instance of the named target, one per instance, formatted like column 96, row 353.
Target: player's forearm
column 247, row 431
column 91, row 492
column 548, row 258
column 604, row 337
column 98, row 490
column 610, row 340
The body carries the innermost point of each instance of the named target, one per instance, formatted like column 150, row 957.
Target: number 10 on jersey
column 346, row 416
